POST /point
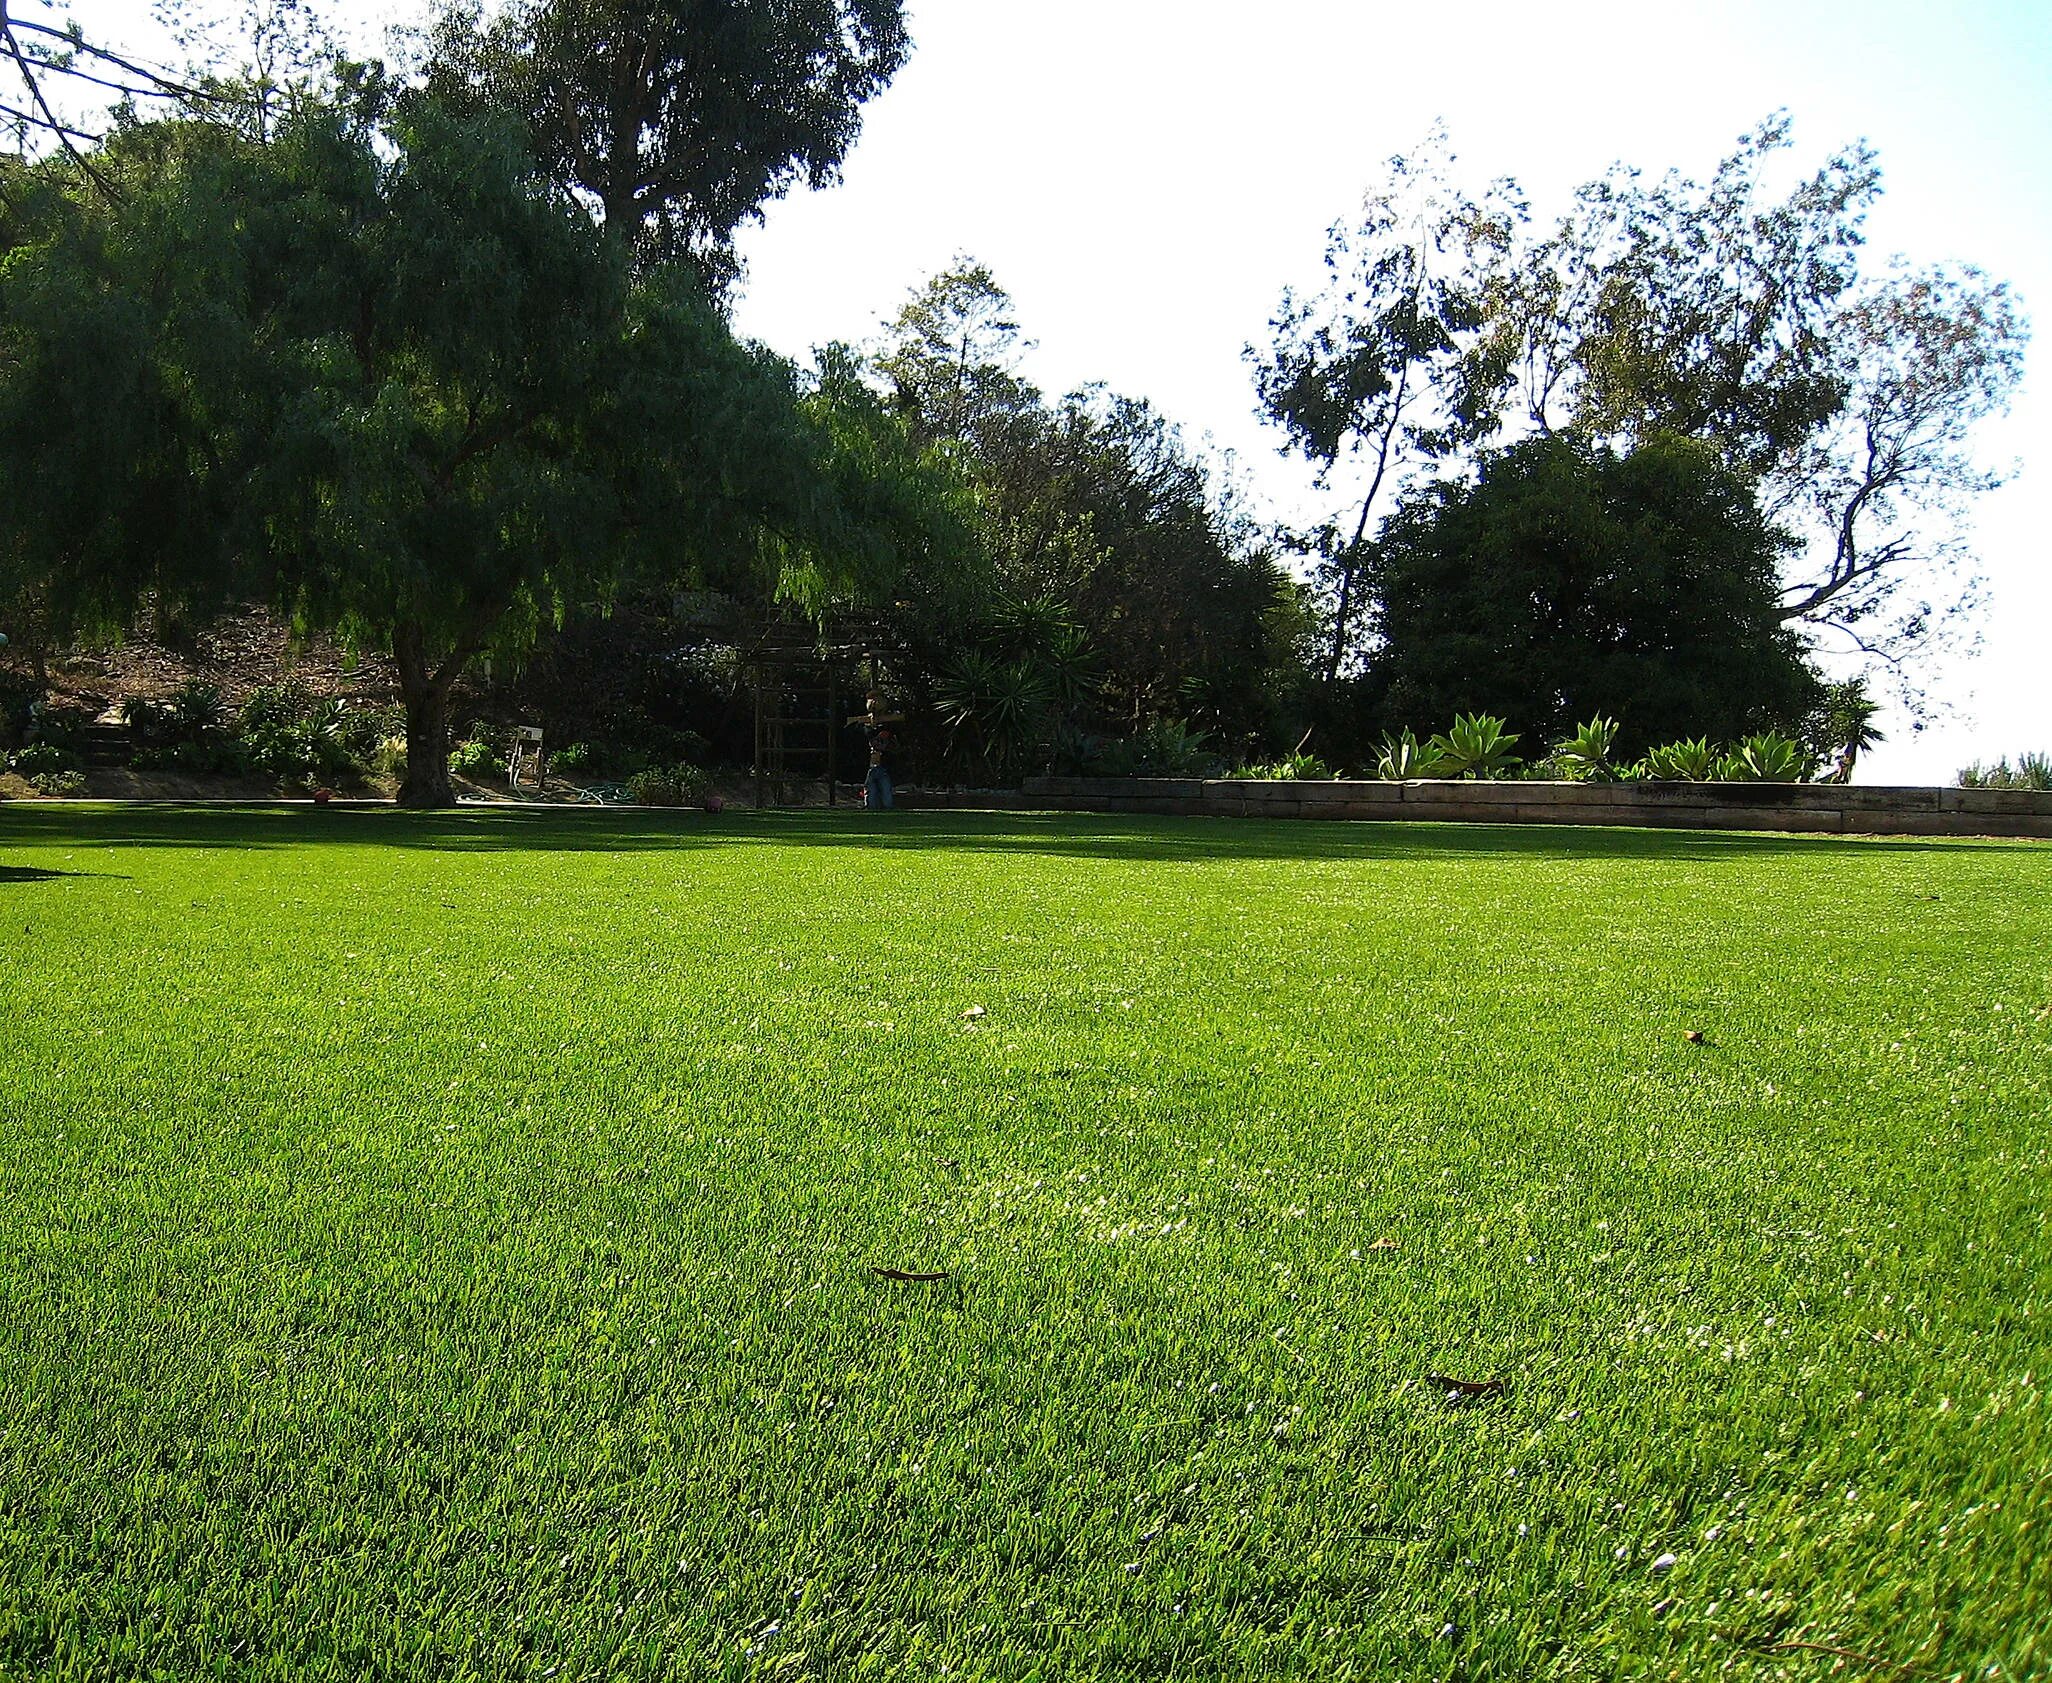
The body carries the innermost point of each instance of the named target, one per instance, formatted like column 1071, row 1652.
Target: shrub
column 572, row 758
column 1404, row 757
column 1682, row 762
column 668, row 786
column 289, row 733
column 40, row 759
column 474, row 758
column 2031, row 771
column 388, row 758
column 1166, row 748
column 146, row 722
column 197, row 709
column 58, row 782
column 20, row 695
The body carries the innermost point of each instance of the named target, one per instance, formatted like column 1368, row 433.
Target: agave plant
column 1477, row 746
column 1300, row 768
column 1403, row 756
column 1585, row 756
column 1683, row 762
column 1766, row 758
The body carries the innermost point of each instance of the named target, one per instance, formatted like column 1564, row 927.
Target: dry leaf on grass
column 1466, row 1390
column 911, row 1274
column 1693, row 1036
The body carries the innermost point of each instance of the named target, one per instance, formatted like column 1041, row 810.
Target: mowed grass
column 445, row 1248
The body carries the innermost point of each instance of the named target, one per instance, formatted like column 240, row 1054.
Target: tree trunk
column 425, row 691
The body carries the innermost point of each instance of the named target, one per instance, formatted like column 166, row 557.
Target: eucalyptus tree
column 1386, row 369
column 1733, row 311
column 1737, row 313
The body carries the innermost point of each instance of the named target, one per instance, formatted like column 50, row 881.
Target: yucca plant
column 1004, row 704
column 1477, row 746
column 1403, row 757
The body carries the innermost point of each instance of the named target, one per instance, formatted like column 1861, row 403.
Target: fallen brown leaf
column 911, row 1274
column 1693, row 1036
column 1385, row 1243
column 1468, row 1390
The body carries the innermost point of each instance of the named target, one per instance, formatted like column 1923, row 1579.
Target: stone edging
column 1830, row 808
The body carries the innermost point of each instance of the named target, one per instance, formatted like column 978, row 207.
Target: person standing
column 879, row 790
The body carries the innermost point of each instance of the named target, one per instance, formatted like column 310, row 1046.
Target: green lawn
column 445, row 1247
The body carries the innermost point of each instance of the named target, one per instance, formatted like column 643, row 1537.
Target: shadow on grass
column 1075, row 835
column 32, row 873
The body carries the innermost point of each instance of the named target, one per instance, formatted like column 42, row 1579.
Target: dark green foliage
column 40, row 758
column 1287, row 769
column 474, row 757
column 1571, row 579
column 1165, row 748
column 1385, row 370
column 443, row 404
column 59, row 783
column 1026, row 680
column 1096, row 504
column 680, row 118
column 19, row 696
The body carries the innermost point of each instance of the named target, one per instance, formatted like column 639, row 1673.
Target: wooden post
column 758, row 738
column 833, row 727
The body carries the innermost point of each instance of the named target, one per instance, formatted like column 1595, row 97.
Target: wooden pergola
column 788, row 659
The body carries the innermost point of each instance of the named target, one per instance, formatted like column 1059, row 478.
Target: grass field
column 446, row 1248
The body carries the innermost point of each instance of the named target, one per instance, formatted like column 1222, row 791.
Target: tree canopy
column 1569, row 579
column 679, row 119
column 1723, row 311
column 420, row 396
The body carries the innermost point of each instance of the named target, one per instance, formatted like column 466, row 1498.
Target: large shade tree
column 424, row 399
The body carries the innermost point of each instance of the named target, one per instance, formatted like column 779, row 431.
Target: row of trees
column 441, row 361
column 434, row 363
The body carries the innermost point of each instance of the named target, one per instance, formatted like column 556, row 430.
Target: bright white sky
column 1145, row 176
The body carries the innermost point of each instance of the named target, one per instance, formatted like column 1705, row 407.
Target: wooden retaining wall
column 1830, row 808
